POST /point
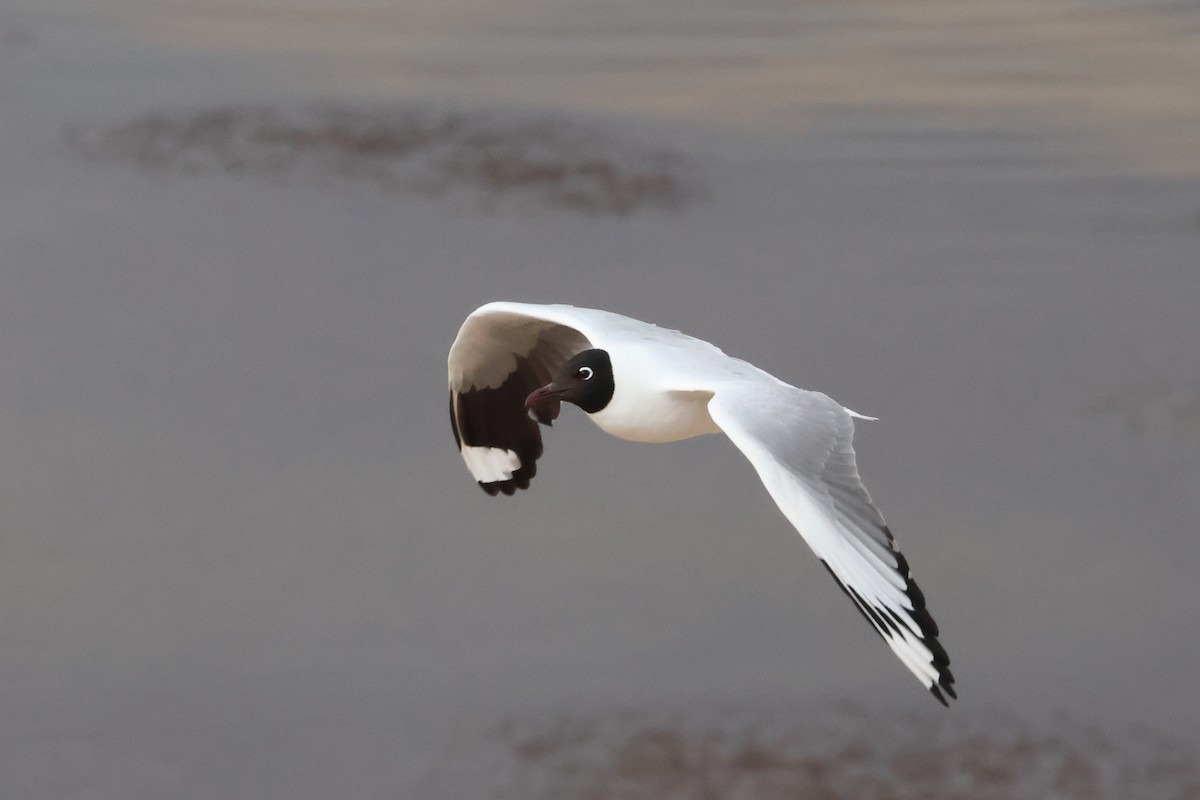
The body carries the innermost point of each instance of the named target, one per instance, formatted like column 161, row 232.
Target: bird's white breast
column 648, row 403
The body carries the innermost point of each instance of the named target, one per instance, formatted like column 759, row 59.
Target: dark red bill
column 544, row 404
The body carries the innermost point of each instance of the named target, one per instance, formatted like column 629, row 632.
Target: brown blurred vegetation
column 842, row 755
column 550, row 160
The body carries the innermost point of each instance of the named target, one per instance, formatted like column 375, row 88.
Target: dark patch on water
column 551, row 160
column 834, row 755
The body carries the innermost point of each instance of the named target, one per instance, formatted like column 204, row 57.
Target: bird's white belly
column 657, row 417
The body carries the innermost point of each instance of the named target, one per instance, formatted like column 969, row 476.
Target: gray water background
column 239, row 556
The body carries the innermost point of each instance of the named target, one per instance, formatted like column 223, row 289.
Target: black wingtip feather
column 519, row 480
column 887, row 620
column 496, row 417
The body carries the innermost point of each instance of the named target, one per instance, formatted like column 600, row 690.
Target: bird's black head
column 586, row 380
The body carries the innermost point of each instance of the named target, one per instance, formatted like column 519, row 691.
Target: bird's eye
column 584, row 374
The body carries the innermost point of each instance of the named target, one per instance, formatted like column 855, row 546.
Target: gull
column 513, row 364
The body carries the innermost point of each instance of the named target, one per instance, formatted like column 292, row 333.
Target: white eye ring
column 584, row 373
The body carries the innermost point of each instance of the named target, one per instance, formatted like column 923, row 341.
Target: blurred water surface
column 238, row 555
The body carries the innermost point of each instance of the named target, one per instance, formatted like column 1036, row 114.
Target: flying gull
column 513, row 364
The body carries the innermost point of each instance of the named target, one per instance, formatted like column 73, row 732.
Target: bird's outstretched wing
column 800, row 443
column 502, row 353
